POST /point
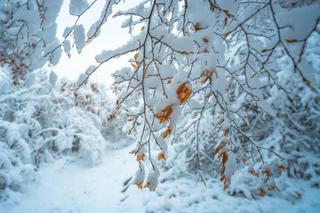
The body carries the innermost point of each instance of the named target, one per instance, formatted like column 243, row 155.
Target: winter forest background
column 159, row 106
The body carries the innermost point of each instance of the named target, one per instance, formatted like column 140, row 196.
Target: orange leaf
column 167, row 132
column 266, row 171
column 183, row 92
column 136, row 56
column 253, row 172
column 161, row 156
column 197, row 27
column 220, row 147
column 139, row 184
column 224, row 158
column 165, row 114
column 140, row 156
column 205, row 39
column 280, row 168
column 223, row 177
column 261, row 192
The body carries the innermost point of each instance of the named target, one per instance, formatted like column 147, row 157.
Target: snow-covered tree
column 218, row 76
column 27, row 29
column 42, row 118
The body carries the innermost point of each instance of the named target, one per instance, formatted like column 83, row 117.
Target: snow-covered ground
column 67, row 186
column 74, row 187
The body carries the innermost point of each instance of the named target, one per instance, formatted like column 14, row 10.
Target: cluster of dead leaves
column 140, row 157
column 266, row 171
column 222, row 153
column 18, row 70
column 183, row 94
column 134, row 62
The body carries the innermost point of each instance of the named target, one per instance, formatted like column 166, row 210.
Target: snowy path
column 65, row 187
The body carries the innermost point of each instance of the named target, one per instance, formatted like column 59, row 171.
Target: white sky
column 111, row 36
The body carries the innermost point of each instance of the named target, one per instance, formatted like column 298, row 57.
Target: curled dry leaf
column 140, row 156
column 197, row 27
column 184, row 92
column 112, row 116
column 136, row 56
column 167, row 132
column 266, row 171
column 253, row 172
column 223, row 177
column 205, row 40
column 261, row 192
column 165, row 114
column 139, row 177
column 220, row 147
column 139, row 184
column 161, row 156
column 281, row 168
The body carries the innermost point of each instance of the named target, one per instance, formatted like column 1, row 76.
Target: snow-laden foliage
column 42, row 118
column 28, row 28
column 28, row 32
column 234, row 85
column 39, row 123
